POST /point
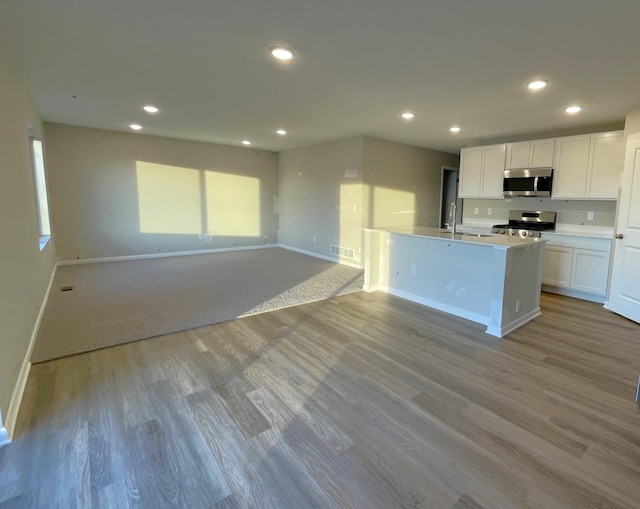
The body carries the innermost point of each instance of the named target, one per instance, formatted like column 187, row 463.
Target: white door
column 624, row 294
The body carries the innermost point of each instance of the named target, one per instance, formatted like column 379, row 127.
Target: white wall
column 117, row 194
column 25, row 271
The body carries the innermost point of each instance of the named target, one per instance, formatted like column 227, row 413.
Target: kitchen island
column 494, row 280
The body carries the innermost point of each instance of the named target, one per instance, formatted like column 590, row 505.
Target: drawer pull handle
column 619, row 236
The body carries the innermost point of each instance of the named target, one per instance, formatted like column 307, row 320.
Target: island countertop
column 499, row 241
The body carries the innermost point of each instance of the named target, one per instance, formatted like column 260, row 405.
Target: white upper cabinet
column 470, row 172
column 482, row 171
column 588, row 166
column 606, row 158
column 541, row 155
column 530, row 154
column 570, row 168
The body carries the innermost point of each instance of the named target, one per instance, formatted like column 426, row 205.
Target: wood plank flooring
column 359, row 401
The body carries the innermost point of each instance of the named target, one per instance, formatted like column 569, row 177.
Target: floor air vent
column 345, row 252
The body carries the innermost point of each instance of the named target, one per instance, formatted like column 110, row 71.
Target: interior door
column 624, row 294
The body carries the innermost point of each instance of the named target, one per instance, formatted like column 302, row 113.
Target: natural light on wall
column 39, row 175
column 168, row 199
column 233, row 204
column 175, row 200
column 392, row 207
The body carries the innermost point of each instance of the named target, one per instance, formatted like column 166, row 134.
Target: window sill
column 44, row 240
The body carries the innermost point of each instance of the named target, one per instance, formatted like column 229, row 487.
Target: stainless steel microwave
column 528, row 182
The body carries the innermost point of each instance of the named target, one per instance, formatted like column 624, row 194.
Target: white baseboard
column 506, row 329
column 322, row 257
column 462, row 313
column 600, row 299
column 372, row 288
column 164, row 255
column 18, row 391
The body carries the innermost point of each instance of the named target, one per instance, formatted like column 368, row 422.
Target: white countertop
column 500, row 241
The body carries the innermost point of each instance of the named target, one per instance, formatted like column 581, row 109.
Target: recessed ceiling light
column 537, row 84
column 454, row 129
column 572, row 110
column 281, row 132
column 281, row 53
column 150, row 108
column 246, row 142
column 407, row 115
column 135, row 127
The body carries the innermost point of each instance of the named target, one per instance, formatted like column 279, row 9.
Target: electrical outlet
column 517, row 306
column 590, row 216
column 475, row 211
column 314, row 239
column 489, row 211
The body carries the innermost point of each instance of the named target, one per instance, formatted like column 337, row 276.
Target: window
column 40, row 184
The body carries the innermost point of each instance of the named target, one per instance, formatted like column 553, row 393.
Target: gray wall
column 25, row 271
column 402, row 183
column 395, row 184
column 117, row 194
column 318, row 200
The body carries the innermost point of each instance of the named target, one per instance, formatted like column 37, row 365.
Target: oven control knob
column 531, row 234
column 513, row 232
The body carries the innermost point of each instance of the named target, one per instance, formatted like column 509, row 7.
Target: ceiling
column 358, row 66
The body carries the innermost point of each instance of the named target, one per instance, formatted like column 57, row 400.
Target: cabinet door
column 470, row 172
column 571, row 165
column 556, row 270
column 605, row 165
column 518, row 155
column 590, row 271
column 493, row 158
column 541, row 153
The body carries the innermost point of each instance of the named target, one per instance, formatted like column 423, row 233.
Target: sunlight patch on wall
column 233, row 204
column 168, row 199
column 392, row 207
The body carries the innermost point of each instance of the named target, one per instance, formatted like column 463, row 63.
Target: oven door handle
column 535, row 184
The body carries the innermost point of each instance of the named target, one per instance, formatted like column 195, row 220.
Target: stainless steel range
column 527, row 223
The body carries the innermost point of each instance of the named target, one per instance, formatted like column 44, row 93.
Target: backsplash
column 568, row 211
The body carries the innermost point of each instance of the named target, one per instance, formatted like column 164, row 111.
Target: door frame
column 442, row 171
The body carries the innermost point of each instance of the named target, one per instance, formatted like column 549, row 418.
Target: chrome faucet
column 452, row 215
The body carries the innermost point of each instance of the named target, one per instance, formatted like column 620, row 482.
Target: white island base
column 493, row 280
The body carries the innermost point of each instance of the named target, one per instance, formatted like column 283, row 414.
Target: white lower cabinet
column 577, row 266
column 590, row 270
column 557, row 266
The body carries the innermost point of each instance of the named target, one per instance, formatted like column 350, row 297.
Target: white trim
column 462, row 313
column 164, row 255
column 506, row 329
column 600, row 299
column 18, row 391
column 323, row 257
column 372, row 288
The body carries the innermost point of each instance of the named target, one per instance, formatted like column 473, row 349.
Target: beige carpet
column 118, row 302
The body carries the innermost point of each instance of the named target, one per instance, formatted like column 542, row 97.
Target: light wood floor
column 363, row 400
